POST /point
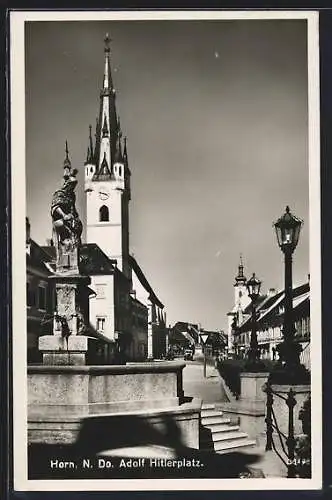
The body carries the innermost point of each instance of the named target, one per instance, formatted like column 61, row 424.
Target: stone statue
column 66, row 221
column 67, row 226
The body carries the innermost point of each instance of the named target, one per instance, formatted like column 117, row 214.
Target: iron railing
column 286, row 452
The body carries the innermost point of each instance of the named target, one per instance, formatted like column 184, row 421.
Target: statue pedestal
column 69, row 344
column 58, row 350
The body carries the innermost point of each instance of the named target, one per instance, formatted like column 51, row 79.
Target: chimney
column 271, row 292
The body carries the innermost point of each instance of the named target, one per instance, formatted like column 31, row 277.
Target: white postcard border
column 19, row 341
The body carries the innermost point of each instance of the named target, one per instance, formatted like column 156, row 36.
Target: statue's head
column 70, row 180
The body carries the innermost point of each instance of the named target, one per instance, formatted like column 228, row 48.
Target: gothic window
column 103, row 214
column 120, row 171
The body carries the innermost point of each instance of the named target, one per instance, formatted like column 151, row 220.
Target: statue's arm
column 58, row 210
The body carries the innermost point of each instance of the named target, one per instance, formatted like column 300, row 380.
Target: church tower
column 107, row 178
column 241, row 298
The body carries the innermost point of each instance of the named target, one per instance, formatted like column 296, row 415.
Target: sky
column 216, row 118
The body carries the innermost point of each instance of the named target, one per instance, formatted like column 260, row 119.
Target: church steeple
column 240, row 279
column 107, row 178
column 107, row 123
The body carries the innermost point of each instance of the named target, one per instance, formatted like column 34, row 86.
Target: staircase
column 219, row 434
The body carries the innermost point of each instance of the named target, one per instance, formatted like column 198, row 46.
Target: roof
column 93, row 260
column 269, row 309
column 37, row 257
column 144, row 282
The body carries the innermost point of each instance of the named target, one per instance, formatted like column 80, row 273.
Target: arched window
column 120, row 171
column 103, row 214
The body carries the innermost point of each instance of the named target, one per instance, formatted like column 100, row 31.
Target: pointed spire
column 96, row 140
column 87, row 161
column 107, row 125
column 89, row 155
column 125, row 154
column 118, row 151
column 108, row 84
column 90, row 144
column 67, row 163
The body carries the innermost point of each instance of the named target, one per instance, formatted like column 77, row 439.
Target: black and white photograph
column 165, row 176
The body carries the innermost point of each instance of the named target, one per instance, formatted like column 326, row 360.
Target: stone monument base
column 58, row 350
column 61, row 398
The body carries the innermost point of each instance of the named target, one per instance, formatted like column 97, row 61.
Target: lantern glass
column 288, row 229
column 253, row 286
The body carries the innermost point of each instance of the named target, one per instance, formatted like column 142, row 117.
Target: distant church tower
column 241, row 301
column 107, row 179
column 241, row 298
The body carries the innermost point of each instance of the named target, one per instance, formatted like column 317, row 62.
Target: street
column 210, row 389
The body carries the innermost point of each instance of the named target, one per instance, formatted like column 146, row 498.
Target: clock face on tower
column 103, row 193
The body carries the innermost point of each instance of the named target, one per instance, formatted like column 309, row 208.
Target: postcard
column 165, row 221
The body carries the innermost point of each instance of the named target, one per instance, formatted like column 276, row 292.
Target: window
column 31, row 296
column 120, row 171
column 103, row 214
column 42, row 298
column 101, row 324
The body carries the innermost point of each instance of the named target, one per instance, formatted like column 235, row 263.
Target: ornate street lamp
column 253, row 362
column 289, row 369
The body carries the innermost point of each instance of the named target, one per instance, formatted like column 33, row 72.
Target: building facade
column 269, row 324
column 40, row 295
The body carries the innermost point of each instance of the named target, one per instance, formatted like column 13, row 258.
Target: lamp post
column 253, row 362
column 289, row 368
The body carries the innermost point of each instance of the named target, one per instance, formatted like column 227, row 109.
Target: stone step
column 234, row 445
column 208, row 406
column 221, row 447
column 218, row 434
column 210, row 413
column 226, row 437
column 210, row 421
column 221, row 426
